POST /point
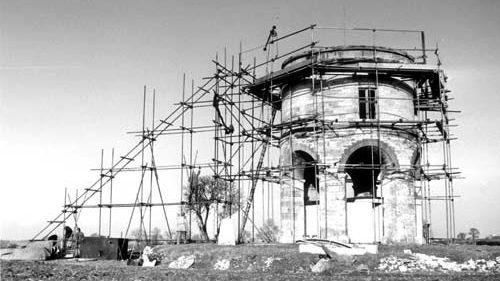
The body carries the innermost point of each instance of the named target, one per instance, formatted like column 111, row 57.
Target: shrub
column 269, row 232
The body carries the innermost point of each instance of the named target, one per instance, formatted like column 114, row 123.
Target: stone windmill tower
column 350, row 145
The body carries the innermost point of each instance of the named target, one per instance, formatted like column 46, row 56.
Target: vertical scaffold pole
column 152, row 164
column 182, row 142
column 422, row 38
column 238, row 176
column 292, row 166
column 143, row 167
column 191, row 106
column 100, row 191
column 325, row 179
column 253, row 153
column 111, row 189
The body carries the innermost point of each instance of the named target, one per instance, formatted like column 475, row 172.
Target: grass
column 458, row 253
column 9, row 244
column 242, row 256
column 288, row 259
column 248, row 262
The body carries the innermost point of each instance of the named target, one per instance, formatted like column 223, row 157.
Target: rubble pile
column 222, row 264
column 269, row 261
column 416, row 262
column 183, row 262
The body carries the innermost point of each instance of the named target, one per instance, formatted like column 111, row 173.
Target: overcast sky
column 72, row 72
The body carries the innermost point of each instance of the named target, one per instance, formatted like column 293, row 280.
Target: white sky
column 72, row 72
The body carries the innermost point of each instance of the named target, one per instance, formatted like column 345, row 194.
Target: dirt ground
column 248, row 262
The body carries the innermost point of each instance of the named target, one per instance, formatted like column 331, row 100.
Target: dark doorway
column 306, row 170
column 363, row 167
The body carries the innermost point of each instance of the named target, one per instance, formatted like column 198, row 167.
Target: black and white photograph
column 249, row 140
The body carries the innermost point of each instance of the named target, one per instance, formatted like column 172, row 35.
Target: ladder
column 251, row 195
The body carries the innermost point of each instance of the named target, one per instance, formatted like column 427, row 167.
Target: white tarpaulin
column 228, row 233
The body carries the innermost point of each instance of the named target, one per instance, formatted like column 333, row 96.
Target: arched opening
column 363, row 167
column 305, row 170
column 365, row 164
column 305, row 174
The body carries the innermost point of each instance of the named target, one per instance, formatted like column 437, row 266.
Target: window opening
column 367, row 103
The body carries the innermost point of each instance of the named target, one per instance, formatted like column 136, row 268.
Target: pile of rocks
column 183, row 262
column 222, row 264
column 416, row 262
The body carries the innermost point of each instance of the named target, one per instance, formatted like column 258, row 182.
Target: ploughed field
column 275, row 262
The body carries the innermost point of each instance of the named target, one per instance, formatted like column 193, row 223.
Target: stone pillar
column 333, row 209
column 292, row 211
column 399, row 209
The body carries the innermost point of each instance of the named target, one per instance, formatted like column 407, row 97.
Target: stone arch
column 306, row 170
column 386, row 150
column 297, row 146
column 365, row 163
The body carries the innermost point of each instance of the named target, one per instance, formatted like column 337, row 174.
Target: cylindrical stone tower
column 346, row 154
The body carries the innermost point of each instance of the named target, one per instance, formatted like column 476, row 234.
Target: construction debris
column 146, row 253
column 85, row 259
column 321, row 266
column 222, row 264
column 269, row 261
column 331, row 248
column 421, row 262
column 183, row 262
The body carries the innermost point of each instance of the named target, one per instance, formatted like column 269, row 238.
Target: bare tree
column 136, row 233
column 205, row 192
column 269, row 232
column 474, row 233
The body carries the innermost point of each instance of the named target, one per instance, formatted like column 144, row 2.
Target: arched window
column 363, row 167
column 305, row 170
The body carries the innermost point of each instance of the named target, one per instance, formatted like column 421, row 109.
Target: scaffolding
column 247, row 127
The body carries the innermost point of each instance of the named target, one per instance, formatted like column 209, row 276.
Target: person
column 427, row 232
column 78, row 238
column 67, row 234
column 181, row 228
column 54, row 248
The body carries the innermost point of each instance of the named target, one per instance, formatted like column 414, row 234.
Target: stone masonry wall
column 397, row 187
